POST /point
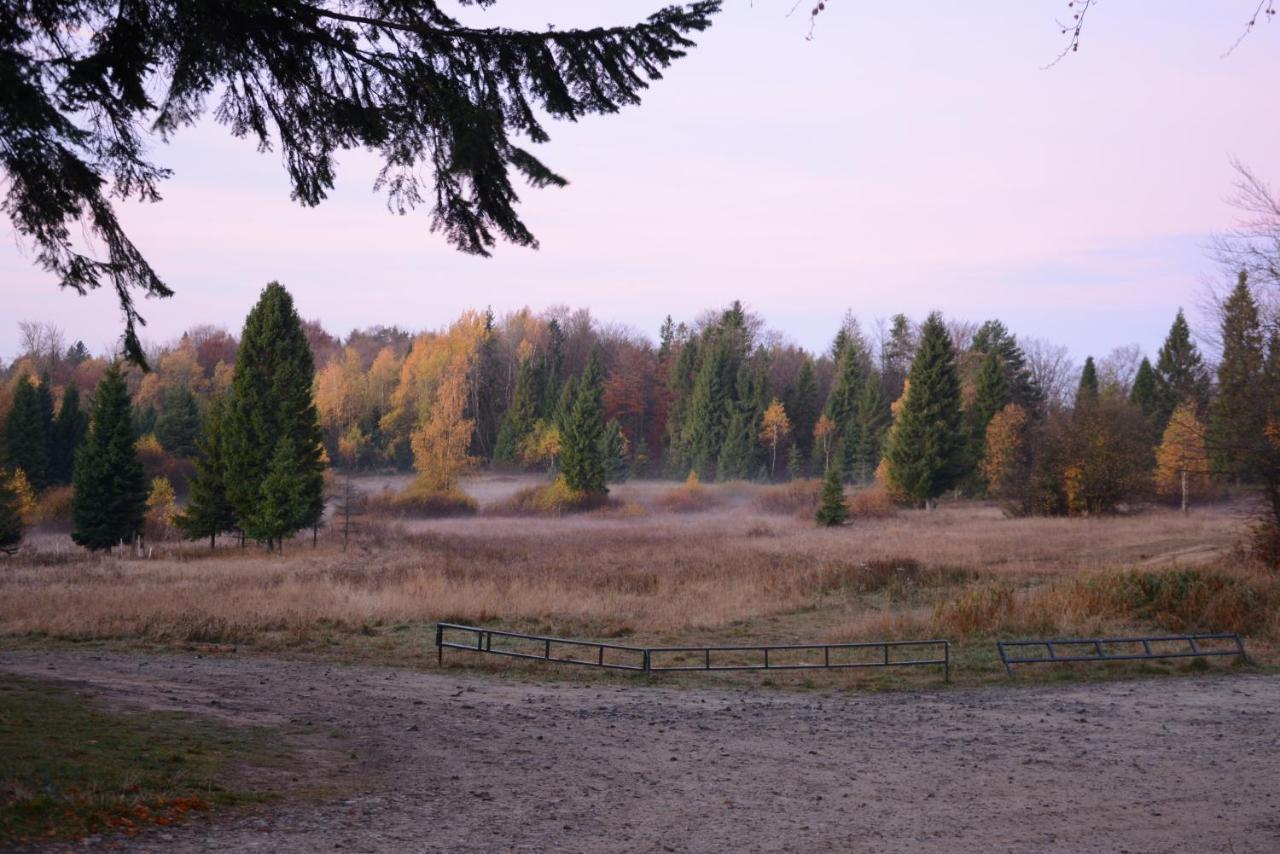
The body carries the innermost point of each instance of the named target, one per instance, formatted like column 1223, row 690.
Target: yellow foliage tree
column 775, row 426
column 162, row 506
column 27, row 503
column 440, row 444
column 542, row 446
column 1182, row 464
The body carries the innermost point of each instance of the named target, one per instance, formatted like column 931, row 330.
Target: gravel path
column 443, row 762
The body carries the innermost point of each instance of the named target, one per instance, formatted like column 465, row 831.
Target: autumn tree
column 109, row 500
column 1182, row 465
column 440, row 445
column 1006, row 456
column 991, row 395
column 926, row 453
column 775, row 428
column 824, row 436
column 10, row 516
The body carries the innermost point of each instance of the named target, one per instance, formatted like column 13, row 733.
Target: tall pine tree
column 69, row 429
column 1180, row 373
column 928, row 447
column 109, row 501
column 581, row 440
column 802, row 407
column 270, row 400
column 991, row 395
column 26, row 441
column 178, row 423
column 1239, row 417
column 1145, row 391
column 1087, row 392
column 518, row 420
column 873, row 420
column 842, row 404
column 209, row 511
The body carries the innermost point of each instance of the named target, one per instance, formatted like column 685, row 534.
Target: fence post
column 439, row 645
column 946, row 661
column 646, row 661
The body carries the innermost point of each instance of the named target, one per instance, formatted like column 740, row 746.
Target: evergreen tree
column 270, row 400
column 842, row 405
column 1180, row 373
column 1087, row 392
column 926, row 457
column 518, row 420
column 680, row 383
column 802, row 406
column 707, row 420
column 26, row 441
column 1238, row 418
column 896, row 356
column 44, row 401
column 832, row 510
column 209, row 511
column 178, row 424
column 736, row 452
column 581, row 439
column 485, row 398
column 69, row 429
column 551, row 374
column 991, row 395
column 1144, row 393
column 1021, row 388
column 10, row 516
column 873, row 420
column 613, row 450
column 283, row 506
column 109, row 502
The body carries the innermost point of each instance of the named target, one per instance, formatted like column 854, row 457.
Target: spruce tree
column 802, row 407
column 707, row 419
column 44, row 401
column 69, row 429
column 209, row 511
column 10, row 516
column 1238, row 418
column 283, row 507
column 1180, row 373
column 613, row 450
column 926, row 457
column 270, row 400
column 991, row 395
column 873, row 419
column 832, row 510
column 1144, row 393
column 518, row 420
column 581, row 439
column 178, row 423
column 842, row 405
column 109, row 502
column 1087, row 392
column 1021, row 388
column 896, row 356
column 26, row 442
column 736, row 452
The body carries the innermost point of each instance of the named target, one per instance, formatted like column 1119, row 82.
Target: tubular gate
column 673, row 659
column 1095, row 648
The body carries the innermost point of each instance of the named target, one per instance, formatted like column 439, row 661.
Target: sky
column 907, row 158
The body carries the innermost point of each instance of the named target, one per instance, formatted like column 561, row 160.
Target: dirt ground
column 444, row 762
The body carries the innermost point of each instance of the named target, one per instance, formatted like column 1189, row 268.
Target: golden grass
column 635, row 570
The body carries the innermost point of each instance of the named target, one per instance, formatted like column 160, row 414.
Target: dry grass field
column 633, row 570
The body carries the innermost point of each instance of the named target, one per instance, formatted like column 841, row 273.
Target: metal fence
column 677, row 659
column 1106, row 649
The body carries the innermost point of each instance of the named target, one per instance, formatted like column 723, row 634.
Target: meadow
column 743, row 563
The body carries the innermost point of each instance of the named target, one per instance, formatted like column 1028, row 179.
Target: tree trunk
column 1184, row 489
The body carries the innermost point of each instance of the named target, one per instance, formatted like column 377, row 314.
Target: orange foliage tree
column 1004, row 459
column 440, row 444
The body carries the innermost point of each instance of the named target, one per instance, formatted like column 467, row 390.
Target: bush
column 552, row 499
column 874, row 502
column 690, row 497
column 53, row 509
column 799, row 498
column 419, row 503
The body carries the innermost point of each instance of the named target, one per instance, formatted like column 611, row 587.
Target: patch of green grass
column 70, row 768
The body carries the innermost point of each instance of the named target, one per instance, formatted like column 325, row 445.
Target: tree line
column 244, row 428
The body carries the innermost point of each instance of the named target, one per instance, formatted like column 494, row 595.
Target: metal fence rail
column 824, row 656
column 1100, row 652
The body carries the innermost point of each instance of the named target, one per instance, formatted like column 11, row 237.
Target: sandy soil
column 443, row 762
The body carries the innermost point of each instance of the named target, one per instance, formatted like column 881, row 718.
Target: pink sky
column 900, row 161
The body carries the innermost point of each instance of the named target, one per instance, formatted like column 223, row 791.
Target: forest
column 248, row 434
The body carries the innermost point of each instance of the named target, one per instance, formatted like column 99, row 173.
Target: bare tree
column 1117, row 370
column 1254, row 244
column 1051, row 369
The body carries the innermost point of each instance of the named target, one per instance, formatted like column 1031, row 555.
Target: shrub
column 799, row 497
column 417, row 502
column 551, row 499
column 874, row 502
column 832, row 509
column 690, row 497
column 53, row 509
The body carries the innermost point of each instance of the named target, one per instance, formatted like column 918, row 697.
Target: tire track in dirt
column 459, row 763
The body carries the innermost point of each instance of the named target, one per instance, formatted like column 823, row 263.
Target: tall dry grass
column 964, row 570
